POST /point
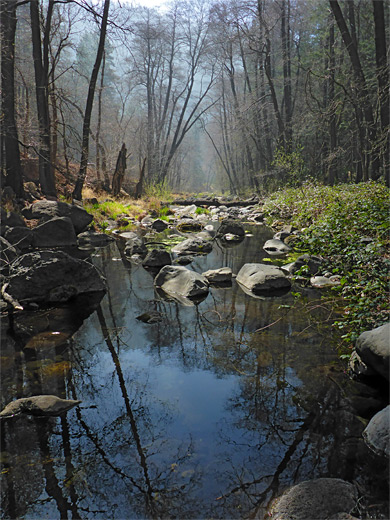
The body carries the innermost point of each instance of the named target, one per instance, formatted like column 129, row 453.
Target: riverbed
column 210, row 411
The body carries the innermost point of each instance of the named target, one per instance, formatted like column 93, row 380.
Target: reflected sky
column 195, row 416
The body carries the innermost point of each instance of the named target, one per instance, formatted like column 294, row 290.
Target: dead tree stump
column 119, row 172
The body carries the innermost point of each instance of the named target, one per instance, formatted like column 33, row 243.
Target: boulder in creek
column 48, row 209
column 179, row 282
column 222, row 275
column 373, row 347
column 56, row 232
column 52, row 277
column 232, row 227
column 159, row 225
column 319, row 499
column 261, row 278
column 313, row 264
column 157, row 258
column 276, row 247
column 41, row 405
column 191, row 246
column 377, row 433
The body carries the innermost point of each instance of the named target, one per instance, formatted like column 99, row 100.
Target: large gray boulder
column 48, row 209
column 260, row 278
column 232, row 227
column 194, row 245
column 276, row 247
column 58, row 231
column 319, row 499
column 222, row 275
column 51, row 276
column 178, row 281
column 373, row 347
column 377, row 433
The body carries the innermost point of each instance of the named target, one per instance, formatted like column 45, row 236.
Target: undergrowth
column 349, row 226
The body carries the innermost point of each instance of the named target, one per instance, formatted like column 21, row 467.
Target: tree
column 41, row 67
column 9, row 132
column 77, row 193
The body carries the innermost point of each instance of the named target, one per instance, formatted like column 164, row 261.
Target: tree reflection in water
column 195, row 416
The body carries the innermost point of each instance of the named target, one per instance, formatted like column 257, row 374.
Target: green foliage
column 349, row 226
column 201, row 211
column 292, row 163
column 159, row 190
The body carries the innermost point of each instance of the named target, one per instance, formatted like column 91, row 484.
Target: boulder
column 183, row 260
column 281, row 235
column 93, row 239
column 157, row 258
column 178, row 281
column 42, row 405
column 313, row 263
column 318, row 499
column 276, row 247
column 51, row 276
column 377, row 433
column 230, row 226
column 48, row 209
column 222, row 275
column 20, row 236
column 373, row 347
column 194, row 245
column 135, row 245
column 58, row 231
column 260, row 278
column 322, row 282
column 159, row 225
column 11, row 219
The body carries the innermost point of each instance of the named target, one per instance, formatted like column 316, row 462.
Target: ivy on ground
column 349, row 226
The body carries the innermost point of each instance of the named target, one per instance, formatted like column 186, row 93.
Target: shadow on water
column 209, row 411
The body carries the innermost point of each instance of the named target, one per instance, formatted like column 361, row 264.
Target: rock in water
column 260, row 278
column 377, row 433
column 45, row 405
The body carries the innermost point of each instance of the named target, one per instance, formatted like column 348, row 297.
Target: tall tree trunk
column 99, row 121
column 46, row 175
column 119, row 172
column 286, row 51
column 382, row 70
column 362, row 90
column 332, row 164
column 77, row 193
column 9, row 133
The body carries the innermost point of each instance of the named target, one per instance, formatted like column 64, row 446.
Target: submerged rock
column 51, row 276
column 377, row 433
column 260, row 278
column 373, row 347
column 319, row 499
column 176, row 280
column 46, row 405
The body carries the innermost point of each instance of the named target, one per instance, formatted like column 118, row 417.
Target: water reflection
column 208, row 412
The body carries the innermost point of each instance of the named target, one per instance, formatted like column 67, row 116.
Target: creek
column 210, row 412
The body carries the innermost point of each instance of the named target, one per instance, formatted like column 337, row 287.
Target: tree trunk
column 99, row 121
column 119, row 172
column 77, row 193
column 362, row 90
column 286, row 51
column 332, row 164
column 46, row 175
column 382, row 70
column 9, row 134
column 140, row 184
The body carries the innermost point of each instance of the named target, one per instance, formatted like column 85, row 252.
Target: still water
column 208, row 413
